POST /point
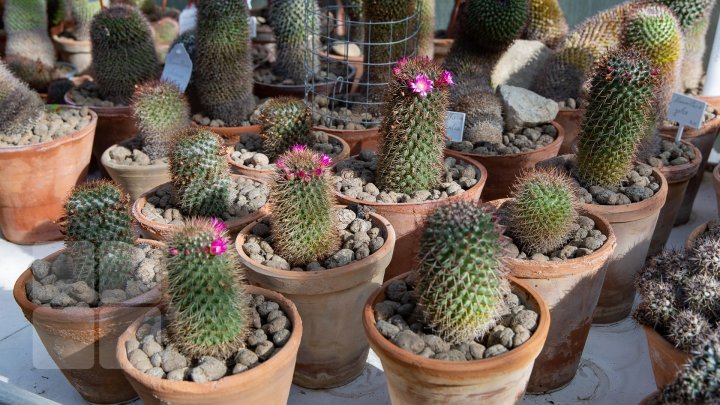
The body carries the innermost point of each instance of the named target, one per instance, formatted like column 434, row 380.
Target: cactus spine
column 295, row 34
column 83, row 12
column 26, row 24
column 284, row 122
column 20, row 107
column 460, row 280
column 547, row 23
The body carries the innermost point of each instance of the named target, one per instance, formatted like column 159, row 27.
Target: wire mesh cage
column 351, row 60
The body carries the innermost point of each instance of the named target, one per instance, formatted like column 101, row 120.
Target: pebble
column 50, row 125
column 209, row 369
column 408, row 340
column 525, row 140
column 248, row 152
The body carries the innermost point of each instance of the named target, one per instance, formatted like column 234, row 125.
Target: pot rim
column 41, row 147
column 65, row 41
column 122, row 110
column 497, row 364
column 554, row 144
column 106, row 161
column 684, row 172
column 692, row 237
column 533, row 269
column 477, row 186
column 337, row 272
column 298, row 87
column 288, row 351
column 707, row 127
column 359, row 132
column 248, row 129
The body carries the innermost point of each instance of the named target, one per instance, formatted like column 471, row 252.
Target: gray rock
column 521, row 63
column 526, row 318
column 452, row 355
column 395, row 290
column 239, row 368
column 151, row 347
column 260, row 159
column 436, row 343
column 523, row 108
column 156, row 372
column 62, row 300
column 277, row 262
column 281, row 337
column 522, row 334
column 139, row 360
column 387, row 329
column 155, row 360
column 385, row 310
column 477, row 351
column 40, row 269
column 493, row 351
column 178, row 375
column 43, row 293
column 113, row 296
column 276, row 325
column 638, row 193
column 257, row 337
column 209, row 369
column 340, row 258
column 408, row 340
column 266, row 307
column 264, row 350
column 131, row 344
column 592, row 243
column 246, row 357
column 172, row 360
column 62, row 267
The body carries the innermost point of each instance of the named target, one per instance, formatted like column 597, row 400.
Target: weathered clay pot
column 36, row 179
column 570, row 289
column 407, row 219
column 332, row 352
column 231, row 135
column 269, row 175
column 666, row 359
column 503, row 170
column 442, row 49
column 703, row 139
column 357, row 139
column 135, row 180
column 692, row 237
column 75, row 52
column 712, row 101
column 571, row 121
column 716, row 185
column 159, row 231
column 416, row 380
column 677, row 178
column 82, row 341
column 269, row 383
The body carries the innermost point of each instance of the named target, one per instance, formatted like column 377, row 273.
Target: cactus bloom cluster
column 316, row 166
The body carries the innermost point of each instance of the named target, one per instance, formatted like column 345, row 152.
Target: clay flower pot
column 442, row 48
column 357, row 139
column 716, row 185
column 82, row 341
column 333, row 352
column 159, row 231
column 268, row 383
column 416, row 380
column 339, row 86
column 677, row 178
column 36, row 179
column 570, row 119
column 666, row 359
column 73, row 51
column 407, row 218
column 703, row 139
column 135, row 180
column 712, row 101
column 503, row 170
column 570, row 289
column 692, row 237
column 268, row 176
column 231, row 135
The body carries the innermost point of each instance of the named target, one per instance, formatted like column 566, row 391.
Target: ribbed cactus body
column 160, row 111
column 83, row 12
column 26, row 24
column 295, row 30
column 460, row 280
column 225, row 87
column 20, row 107
column 207, row 306
column 284, row 122
column 698, row 382
column 494, row 24
column 122, row 30
column 547, row 23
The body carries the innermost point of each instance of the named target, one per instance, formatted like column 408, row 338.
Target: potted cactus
column 205, row 349
column 284, row 122
column 448, row 341
column 562, row 251
column 140, row 164
column 74, row 46
column 323, row 256
column 56, row 140
column 409, row 178
column 82, row 298
column 201, row 186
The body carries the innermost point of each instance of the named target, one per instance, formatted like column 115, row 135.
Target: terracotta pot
column 650, row 399
column 703, row 139
column 692, row 237
column 407, row 219
column 666, row 359
column 357, row 139
column 416, row 380
column 75, row 52
column 677, row 178
column 332, row 352
column 36, row 179
column 269, row 175
column 158, row 231
column 570, row 289
column 442, row 49
column 135, row 180
column 231, row 135
column 82, row 341
column 571, row 121
column 269, row 383
column 357, row 63
column 716, row 185
column 712, row 101
column 503, row 170
column 266, row 90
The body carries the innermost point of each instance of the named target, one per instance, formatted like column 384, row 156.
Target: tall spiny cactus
column 296, row 35
column 284, row 122
column 207, row 306
column 83, row 12
column 26, row 24
column 304, row 225
column 460, row 280
column 20, row 107
column 426, row 30
column 699, row 382
column 547, row 23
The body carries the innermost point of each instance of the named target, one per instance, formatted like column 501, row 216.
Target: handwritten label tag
column 253, row 26
column 455, row 125
column 687, row 111
column 178, row 67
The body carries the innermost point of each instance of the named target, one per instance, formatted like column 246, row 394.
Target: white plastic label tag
column 253, row 26
column 455, row 125
column 178, row 67
column 687, row 112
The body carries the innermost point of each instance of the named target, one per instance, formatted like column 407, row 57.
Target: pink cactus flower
column 325, row 160
column 447, row 79
column 218, row 225
column 421, row 85
column 298, row 148
column 218, row 247
column 173, row 252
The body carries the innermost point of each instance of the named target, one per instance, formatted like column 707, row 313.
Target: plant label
column 178, row 67
column 687, row 112
column 253, row 26
column 455, row 125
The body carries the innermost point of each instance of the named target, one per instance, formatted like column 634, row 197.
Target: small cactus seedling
column 284, row 122
column 26, row 24
column 20, row 107
column 207, row 306
column 461, row 282
column 295, row 33
column 304, row 225
column 546, row 23
column 83, row 12
column 699, row 382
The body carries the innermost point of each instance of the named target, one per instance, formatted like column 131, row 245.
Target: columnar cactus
column 207, row 306
column 160, row 112
column 354, row 10
column 297, row 30
column 620, row 109
column 284, row 122
column 200, row 173
column 460, row 280
column 20, row 107
column 426, row 30
column 544, row 210
column 225, row 87
column 33, row 72
column 26, row 24
column 699, row 381
column 83, row 12
column 122, row 30
column 547, row 23
column 304, row 225
column 411, row 149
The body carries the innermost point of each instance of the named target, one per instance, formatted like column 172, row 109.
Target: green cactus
column 494, row 24
column 483, row 109
column 620, row 109
column 122, row 30
column 426, row 30
column 546, row 23
column 543, row 212
column 99, row 235
column 26, row 25
column 699, row 382
column 225, row 87
column 33, row 72
column 295, row 33
column 284, row 122
column 411, row 149
column 460, row 280
column 83, row 12
column 160, row 112
column 166, row 30
column 304, row 225
column 705, row 255
column 20, row 107
column 688, row 330
column 207, row 306
column 200, row 173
